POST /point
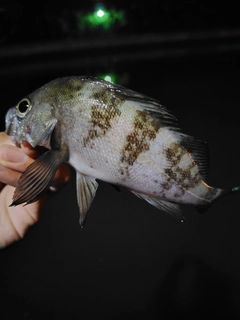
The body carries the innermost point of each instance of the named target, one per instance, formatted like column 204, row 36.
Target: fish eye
column 23, row 107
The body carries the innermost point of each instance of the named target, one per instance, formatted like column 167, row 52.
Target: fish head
column 32, row 120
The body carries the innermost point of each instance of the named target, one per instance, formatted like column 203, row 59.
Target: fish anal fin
column 37, row 177
column 163, row 205
column 86, row 191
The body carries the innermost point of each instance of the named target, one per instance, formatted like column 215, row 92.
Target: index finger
column 30, row 151
column 5, row 139
column 26, row 147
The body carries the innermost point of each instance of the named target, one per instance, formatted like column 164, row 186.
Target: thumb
column 13, row 161
column 14, row 157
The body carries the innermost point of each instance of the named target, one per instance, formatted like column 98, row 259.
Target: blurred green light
column 108, row 77
column 121, row 79
column 100, row 13
column 100, row 17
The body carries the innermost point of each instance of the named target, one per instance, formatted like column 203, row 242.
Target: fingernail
column 15, row 155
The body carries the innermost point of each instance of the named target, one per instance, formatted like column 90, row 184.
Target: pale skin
column 15, row 221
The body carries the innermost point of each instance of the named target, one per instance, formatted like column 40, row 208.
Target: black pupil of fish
column 23, row 106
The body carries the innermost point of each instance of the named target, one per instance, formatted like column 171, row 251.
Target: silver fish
column 114, row 134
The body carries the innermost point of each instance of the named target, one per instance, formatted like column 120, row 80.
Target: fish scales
column 111, row 133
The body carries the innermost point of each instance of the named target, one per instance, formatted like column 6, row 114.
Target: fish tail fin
column 224, row 192
column 235, row 189
column 219, row 193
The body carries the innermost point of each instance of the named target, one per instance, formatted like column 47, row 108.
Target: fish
column 111, row 133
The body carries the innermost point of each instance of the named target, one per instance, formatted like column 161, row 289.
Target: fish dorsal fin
column 152, row 106
column 199, row 152
column 161, row 113
column 86, row 191
column 167, row 206
column 38, row 177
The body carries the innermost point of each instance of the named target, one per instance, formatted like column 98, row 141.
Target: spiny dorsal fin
column 152, row 106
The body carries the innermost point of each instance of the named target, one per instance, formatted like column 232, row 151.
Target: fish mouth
column 27, row 140
column 24, row 130
column 14, row 128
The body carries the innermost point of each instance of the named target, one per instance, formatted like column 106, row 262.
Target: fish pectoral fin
column 86, row 191
column 167, row 206
column 37, row 178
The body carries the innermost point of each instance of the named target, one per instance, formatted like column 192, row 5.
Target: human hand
column 15, row 221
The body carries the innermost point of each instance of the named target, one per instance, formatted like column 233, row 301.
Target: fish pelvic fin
column 38, row 177
column 86, row 191
column 171, row 208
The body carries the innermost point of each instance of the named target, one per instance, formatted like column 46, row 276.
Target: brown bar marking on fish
column 145, row 129
column 185, row 178
column 105, row 109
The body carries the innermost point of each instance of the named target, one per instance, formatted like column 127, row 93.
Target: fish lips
column 12, row 126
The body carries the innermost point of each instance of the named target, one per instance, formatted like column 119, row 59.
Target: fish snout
column 12, row 126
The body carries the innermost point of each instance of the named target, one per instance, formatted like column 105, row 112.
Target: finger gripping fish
column 114, row 134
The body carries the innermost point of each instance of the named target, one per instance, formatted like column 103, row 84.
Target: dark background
column 130, row 260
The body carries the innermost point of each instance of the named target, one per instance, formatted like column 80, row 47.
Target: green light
column 114, row 77
column 100, row 13
column 99, row 18
column 108, row 77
